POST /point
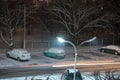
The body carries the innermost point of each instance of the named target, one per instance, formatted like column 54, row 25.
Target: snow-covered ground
column 85, row 76
column 37, row 57
column 37, row 77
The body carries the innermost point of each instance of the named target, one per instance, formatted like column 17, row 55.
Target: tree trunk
column 11, row 45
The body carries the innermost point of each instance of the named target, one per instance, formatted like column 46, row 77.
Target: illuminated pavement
column 88, row 60
column 86, row 57
column 82, row 65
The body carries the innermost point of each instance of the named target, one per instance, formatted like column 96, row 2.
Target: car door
column 12, row 53
column 16, row 54
column 111, row 51
column 106, row 50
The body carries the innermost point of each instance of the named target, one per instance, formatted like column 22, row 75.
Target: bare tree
column 10, row 15
column 76, row 17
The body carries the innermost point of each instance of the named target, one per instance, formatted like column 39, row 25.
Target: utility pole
column 24, row 41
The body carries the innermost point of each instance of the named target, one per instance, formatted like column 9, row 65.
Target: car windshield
column 22, row 51
column 71, row 76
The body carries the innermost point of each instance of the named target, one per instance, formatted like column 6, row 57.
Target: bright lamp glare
column 60, row 39
column 90, row 40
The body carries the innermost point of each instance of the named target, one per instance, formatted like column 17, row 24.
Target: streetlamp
column 61, row 40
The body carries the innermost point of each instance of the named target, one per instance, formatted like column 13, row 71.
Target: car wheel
column 18, row 59
column 64, row 56
column 8, row 55
column 116, row 53
column 103, row 50
column 56, row 56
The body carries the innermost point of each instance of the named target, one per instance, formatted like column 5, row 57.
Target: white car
column 55, row 53
column 111, row 49
column 19, row 54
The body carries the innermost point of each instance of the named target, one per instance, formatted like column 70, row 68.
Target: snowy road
column 85, row 58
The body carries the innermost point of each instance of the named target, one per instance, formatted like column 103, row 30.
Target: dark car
column 69, row 75
column 110, row 49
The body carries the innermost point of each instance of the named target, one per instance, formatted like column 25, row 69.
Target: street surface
column 89, row 59
column 86, row 54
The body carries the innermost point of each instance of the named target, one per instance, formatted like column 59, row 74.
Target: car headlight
column 119, row 51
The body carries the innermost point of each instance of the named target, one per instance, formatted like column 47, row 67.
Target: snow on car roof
column 72, row 70
column 113, row 47
column 21, row 50
column 56, row 49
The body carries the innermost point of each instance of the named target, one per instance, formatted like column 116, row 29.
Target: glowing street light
column 61, row 40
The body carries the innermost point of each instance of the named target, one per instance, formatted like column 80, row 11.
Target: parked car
column 69, row 75
column 55, row 53
column 19, row 54
column 111, row 49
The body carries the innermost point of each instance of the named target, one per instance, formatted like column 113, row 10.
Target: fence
column 47, row 44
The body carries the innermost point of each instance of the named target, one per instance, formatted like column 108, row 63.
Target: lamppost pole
column 75, row 49
column 75, row 59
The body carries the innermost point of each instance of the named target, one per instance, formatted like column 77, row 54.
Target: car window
column 17, row 51
column 14, row 51
column 56, row 50
column 22, row 51
column 71, row 76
